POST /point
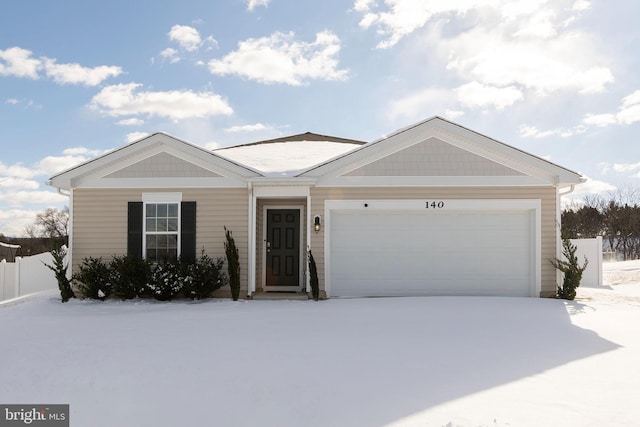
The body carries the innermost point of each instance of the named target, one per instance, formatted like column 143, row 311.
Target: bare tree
column 52, row 223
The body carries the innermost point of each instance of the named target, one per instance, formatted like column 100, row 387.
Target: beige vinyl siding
column 260, row 231
column 548, row 215
column 100, row 222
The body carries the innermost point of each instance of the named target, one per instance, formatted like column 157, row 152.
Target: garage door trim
column 439, row 207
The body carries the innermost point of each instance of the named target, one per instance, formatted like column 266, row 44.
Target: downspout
column 68, row 194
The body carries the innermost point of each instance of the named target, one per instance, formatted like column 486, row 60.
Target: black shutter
column 188, row 232
column 134, row 229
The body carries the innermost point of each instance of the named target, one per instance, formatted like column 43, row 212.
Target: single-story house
column 432, row 209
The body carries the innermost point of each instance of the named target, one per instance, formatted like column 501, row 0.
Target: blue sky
column 557, row 78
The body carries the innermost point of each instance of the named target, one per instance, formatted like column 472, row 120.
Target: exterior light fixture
column 316, row 223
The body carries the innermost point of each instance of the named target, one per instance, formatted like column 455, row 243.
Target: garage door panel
column 413, row 253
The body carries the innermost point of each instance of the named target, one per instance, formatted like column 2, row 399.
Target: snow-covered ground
column 353, row 362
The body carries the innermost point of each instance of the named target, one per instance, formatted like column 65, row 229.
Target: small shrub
column 313, row 277
column 233, row 264
column 94, row 278
column 168, row 279
column 571, row 269
column 60, row 269
column 207, row 276
column 129, row 276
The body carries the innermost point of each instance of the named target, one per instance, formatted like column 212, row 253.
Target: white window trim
column 161, row 198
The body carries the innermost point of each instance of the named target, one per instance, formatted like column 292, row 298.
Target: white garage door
column 391, row 252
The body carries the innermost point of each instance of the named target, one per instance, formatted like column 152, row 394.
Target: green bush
column 233, row 264
column 207, row 276
column 130, row 276
column 571, row 270
column 93, row 278
column 60, row 269
column 168, row 279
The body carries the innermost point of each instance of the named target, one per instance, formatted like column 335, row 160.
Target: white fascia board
column 162, row 197
column 284, row 182
column 281, row 191
column 191, row 182
column 431, row 181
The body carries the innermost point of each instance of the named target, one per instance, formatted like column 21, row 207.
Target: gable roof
column 151, row 152
column 436, row 130
column 415, row 155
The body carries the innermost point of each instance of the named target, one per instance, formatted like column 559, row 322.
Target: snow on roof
column 277, row 158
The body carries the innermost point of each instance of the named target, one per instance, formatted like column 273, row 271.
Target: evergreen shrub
column 93, row 278
column 233, row 264
column 130, row 276
column 571, row 270
column 60, row 269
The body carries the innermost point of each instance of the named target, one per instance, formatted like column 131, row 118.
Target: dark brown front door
column 283, row 249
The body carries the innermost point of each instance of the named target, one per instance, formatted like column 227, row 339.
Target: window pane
column 162, row 224
column 173, row 224
column 173, row 210
column 162, row 211
column 172, row 241
column 151, row 210
column 151, row 241
column 151, row 224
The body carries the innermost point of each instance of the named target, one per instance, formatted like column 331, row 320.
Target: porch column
column 251, row 274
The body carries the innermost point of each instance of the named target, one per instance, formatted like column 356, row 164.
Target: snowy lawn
column 437, row 361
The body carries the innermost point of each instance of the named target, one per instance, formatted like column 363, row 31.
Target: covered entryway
column 442, row 247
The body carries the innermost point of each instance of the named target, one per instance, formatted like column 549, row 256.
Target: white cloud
column 363, row 5
column 83, row 151
column 130, row 122
column 14, row 183
column 18, row 170
column 280, row 58
column 77, row 74
column 580, row 5
column 625, row 167
column 247, row 128
column 21, row 198
column 529, row 131
column 52, row 165
column 421, row 104
column 476, row 94
column 599, row 120
column 14, row 221
column 252, row 4
column 593, row 186
column 134, row 136
column 498, row 42
column 12, row 101
column 126, row 99
column 170, row 54
column 453, row 114
column 18, row 62
column 628, row 113
column 187, row 37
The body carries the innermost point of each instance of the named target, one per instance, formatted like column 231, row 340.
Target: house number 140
column 435, row 205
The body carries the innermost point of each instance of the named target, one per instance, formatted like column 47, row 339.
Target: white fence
column 26, row 276
column 592, row 250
